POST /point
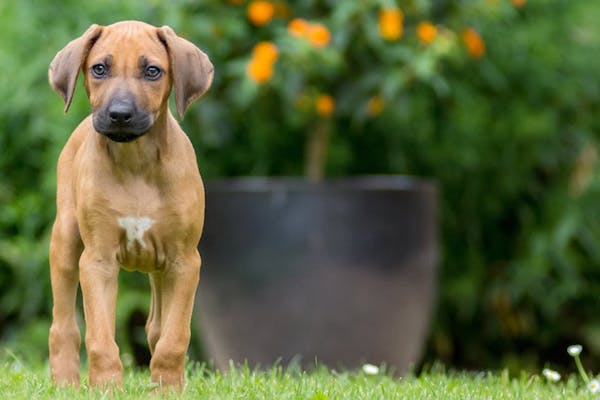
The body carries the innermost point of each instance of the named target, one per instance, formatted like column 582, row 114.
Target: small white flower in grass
column 550, row 375
column 17, row 366
column 574, row 350
column 594, row 386
column 370, row 369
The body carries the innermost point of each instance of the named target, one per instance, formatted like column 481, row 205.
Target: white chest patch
column 135, row 227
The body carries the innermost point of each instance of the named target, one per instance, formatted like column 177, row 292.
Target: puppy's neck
column 145, row 153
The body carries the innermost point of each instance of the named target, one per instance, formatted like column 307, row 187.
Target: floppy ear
column 67, row 63
column 191, row 69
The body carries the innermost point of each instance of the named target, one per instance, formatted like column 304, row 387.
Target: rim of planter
column 364, row 182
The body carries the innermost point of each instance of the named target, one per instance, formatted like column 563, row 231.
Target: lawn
column 19, row 381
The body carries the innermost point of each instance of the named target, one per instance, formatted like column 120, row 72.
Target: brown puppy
column 129, row 195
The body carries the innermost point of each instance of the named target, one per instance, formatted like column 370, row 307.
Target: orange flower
column 298, row 27
column 260, row 66
column 474, row 43
column 391, row 23
column 426, row 32
column 375, row 106
column 260, row 12
column 519, row 3
column 265, row 51
column 259, row 70
column 318, row 35
column 325, row 105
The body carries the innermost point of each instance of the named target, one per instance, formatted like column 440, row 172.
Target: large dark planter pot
column 342, row 272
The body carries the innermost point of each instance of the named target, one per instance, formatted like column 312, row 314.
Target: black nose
column 121, row 112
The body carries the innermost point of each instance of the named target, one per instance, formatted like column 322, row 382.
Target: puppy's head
column 129, row 69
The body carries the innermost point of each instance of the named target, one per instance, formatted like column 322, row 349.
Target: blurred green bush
column 495, row 99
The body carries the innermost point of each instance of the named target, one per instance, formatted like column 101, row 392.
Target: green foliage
column 514, row 151
column 511, row 139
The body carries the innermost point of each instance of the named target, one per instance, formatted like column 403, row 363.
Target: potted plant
column 342, row 272
column 339, row 270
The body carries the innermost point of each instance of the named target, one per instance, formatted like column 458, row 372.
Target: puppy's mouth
column 122, row 137
column 122, row 122
column 122, row 132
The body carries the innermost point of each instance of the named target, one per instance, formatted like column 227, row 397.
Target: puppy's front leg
column 177, row 290
column 99, row 281
column 64, row 339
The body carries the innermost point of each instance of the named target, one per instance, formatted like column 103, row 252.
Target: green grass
column 18, row 381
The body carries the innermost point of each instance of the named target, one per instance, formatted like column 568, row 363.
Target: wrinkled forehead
column 129, row 43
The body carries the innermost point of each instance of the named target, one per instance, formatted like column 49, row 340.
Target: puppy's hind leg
column 64, row 339
column 153, row 324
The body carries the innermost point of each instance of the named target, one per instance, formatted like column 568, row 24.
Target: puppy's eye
column 152, row 73
column 99, row 71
